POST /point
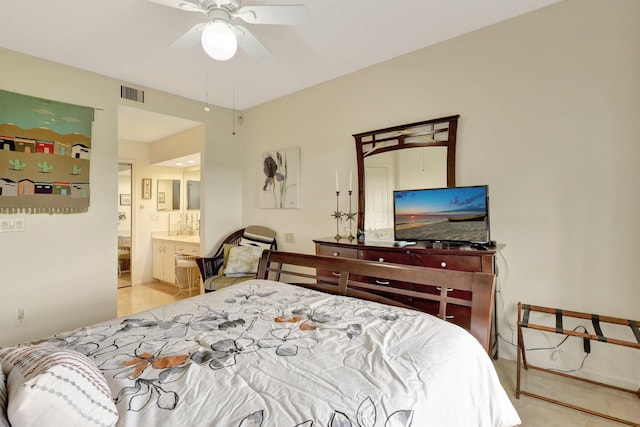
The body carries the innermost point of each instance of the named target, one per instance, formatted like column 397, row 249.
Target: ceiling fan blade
column 188, row 5
column 249, row 43
column 276, row 14
column 190, row 38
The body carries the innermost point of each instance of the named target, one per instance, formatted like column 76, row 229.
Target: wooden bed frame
column 352, row 277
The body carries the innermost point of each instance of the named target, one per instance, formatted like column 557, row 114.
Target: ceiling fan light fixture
column 219, row 41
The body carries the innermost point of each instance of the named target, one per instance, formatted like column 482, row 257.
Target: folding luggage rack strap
column 524, row 311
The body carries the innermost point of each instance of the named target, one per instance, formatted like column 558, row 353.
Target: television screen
column 452, row 214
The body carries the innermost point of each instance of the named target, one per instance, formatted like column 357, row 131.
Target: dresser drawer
column 388, row 257
column 435, row 290
column 457, row 314
column 384, row 256
column 336, row 251
column 449, row 262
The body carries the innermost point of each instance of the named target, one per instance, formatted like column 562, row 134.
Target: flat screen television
column 451, row 214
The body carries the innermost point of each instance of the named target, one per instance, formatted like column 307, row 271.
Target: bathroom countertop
column 181, row 239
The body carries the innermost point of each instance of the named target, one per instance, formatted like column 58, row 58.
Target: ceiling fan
column 220, row 38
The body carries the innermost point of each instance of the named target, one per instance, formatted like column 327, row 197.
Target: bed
column 319, row 350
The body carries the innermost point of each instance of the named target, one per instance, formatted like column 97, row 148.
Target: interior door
column 379, row 209
column 124, row 224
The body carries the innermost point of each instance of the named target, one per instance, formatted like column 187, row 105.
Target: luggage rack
column 524, row 311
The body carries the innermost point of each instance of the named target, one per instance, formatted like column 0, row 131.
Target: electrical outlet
column 21, row 319
column 289, row 237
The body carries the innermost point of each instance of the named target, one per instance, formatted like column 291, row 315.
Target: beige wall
column 549, row 105
column 62, row 270
column 181, row 144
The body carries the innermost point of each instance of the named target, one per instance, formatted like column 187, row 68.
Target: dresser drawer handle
column 335, row 274
column 448, row 289
column 443, row 264
column 382, row 282
column 380, row 259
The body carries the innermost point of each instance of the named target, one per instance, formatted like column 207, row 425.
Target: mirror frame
column 442, row 130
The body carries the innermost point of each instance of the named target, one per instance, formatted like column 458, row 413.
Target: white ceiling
column 129, row 40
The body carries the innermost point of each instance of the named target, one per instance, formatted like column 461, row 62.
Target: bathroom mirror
column 411, row 156
column 168, row 194
column 193, row 195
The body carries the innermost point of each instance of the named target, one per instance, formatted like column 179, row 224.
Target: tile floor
column 533, row 412
column 134, row 299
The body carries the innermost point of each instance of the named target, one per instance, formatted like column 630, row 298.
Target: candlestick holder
column 351, row 216
column 337, row 214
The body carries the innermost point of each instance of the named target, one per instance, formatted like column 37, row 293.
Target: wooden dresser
column 461, row 258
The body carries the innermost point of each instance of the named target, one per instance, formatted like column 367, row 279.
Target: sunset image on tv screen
column 445, row 214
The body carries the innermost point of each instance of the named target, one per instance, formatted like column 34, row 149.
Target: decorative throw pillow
column 226, row 248
column 257, row 240
column 56, row 386
column 243, row 260
column 4, row 421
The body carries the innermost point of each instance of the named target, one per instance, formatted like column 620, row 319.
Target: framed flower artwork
column 280, row 179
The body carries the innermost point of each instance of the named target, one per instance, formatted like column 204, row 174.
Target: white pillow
column 4, row 422
column 256, row 239
column 257, row 243
column 57, row 387
column 243, row 260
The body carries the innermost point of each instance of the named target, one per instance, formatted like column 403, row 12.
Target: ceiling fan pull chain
column 233, row 101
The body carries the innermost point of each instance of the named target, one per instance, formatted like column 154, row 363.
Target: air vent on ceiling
column 131, row 94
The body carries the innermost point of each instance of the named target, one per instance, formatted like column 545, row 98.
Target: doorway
column 144, row 136
column 125, row 223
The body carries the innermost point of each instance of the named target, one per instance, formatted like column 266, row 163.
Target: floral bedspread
column 264, row 353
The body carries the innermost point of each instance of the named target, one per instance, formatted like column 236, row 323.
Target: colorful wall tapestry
column 44, row 155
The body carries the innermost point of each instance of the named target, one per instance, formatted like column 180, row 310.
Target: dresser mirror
column 412, row 156
column 168, row 194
